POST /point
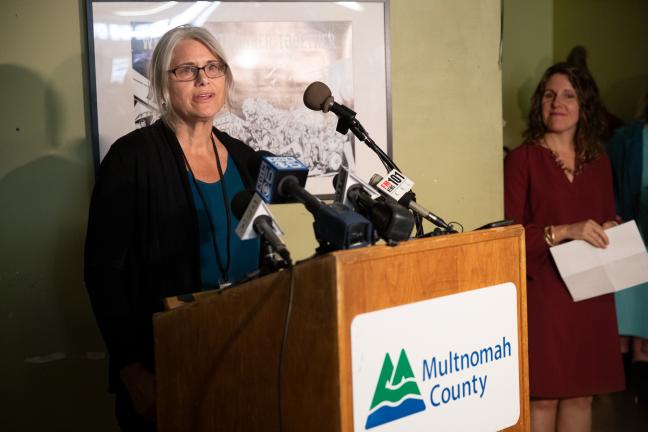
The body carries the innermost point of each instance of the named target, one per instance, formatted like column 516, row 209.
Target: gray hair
column 161, row 63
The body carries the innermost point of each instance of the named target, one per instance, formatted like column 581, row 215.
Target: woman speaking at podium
column 160, row 222
column 558, row 184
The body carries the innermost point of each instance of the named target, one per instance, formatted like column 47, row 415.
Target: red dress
column 573, row 346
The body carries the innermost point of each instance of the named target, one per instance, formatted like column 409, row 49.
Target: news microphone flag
column 272, row 170
column 256, row 208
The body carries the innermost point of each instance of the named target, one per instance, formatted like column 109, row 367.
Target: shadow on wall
column 515, row 126
column 526, row 90
column 623, row 97
column 46, row 325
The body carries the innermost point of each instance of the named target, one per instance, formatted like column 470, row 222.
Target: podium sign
column 448, row 364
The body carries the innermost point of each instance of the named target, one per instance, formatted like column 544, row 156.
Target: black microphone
column 318, row 97
column 251, row 211
column 408, row 201
column 336, row 226
column 272, row 170
column 391, row 221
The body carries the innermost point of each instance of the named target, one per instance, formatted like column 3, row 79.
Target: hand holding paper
column 589, row 271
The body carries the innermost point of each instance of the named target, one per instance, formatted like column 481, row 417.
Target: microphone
column 391, row 221
column 405, row 197
column 272, row 170
column 254, row 162
column 256, row 220
column 344, row 180
column 336, row 226
column 318, row 97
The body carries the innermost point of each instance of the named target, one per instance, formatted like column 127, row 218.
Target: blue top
column 244, row 254
column 642, row 215
column 628, row 151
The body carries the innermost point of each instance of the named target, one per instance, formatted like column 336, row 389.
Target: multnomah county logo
column 397, row 394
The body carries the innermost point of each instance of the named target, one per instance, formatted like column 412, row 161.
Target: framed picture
column 275, row 50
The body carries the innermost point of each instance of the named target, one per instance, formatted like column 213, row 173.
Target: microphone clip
column 347, row 121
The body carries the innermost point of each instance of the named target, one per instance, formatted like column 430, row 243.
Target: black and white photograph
column 274, row 52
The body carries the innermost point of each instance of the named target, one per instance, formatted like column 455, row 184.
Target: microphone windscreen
column 316, row 95
column 240, row 202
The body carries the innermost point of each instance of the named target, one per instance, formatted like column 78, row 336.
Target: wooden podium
column 218, row 357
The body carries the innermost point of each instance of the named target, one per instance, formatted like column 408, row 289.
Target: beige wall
column 446, row 87
column 447, row 134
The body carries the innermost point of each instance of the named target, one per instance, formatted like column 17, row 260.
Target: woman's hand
column 140, row 384
column 587, row 230
column 610, row 224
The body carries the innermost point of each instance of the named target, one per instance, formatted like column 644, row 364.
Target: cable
column 291, row 290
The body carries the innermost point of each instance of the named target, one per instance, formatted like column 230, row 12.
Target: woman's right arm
column 516, row 197
column 109, row 237
column 109, row 245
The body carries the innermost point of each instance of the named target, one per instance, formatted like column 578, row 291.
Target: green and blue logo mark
column 397, row 394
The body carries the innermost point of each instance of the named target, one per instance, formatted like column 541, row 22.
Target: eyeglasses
column 190, row 72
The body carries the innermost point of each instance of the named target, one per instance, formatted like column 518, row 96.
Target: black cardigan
column 142, row 238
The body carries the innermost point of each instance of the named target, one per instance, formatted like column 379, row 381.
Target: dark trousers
column 127, row 418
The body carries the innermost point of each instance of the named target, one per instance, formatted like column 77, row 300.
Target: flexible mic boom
column 408, row 201
column 255, row 218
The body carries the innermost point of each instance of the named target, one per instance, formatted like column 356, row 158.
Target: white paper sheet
column 589, row 271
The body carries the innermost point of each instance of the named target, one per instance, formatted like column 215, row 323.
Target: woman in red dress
column 558, row 184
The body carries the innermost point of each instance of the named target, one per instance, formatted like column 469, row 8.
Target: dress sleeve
column 516, row 205
column 109, row 241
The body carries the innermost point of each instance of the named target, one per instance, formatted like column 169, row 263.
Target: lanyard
column 223, row 267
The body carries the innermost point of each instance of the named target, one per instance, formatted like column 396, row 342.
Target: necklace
column 561, row 164
column 223, row 267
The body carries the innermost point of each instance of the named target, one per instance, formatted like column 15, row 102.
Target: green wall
column 45, row 180
column 538, row 33
column 615, row 34
column 528, row 51
column 447, row 135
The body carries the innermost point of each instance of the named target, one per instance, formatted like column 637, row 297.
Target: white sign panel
column 446, row 364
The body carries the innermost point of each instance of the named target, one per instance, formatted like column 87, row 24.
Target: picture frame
column 274, row 49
